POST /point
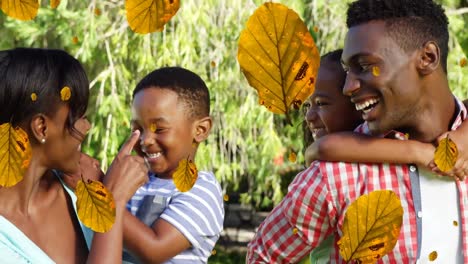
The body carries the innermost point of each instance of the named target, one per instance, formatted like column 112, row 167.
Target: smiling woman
column 45, row 94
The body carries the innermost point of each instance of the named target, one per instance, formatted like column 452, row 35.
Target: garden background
column 249, row 147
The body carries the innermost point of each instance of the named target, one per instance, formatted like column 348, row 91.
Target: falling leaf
column 278, row 56
column 185, row 175
column 146, row 16
column 153, row 127
column 371, row 227
column 97, row 11
column 294, row 231
column 34, row 97
column 463, row 62
column 433, row 256
column 95, row 205
column 54, row 3
column 455, row 223
column 15, row 154
column 446, row 154
column 213, row 252
column 292, row 157
column 316, row 29
column 75, row 40
column 375, row 71
column 65, row 93
column 213, row 64
column 20, row 9
column 226, row 197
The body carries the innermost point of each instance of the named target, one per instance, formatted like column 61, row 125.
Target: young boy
column 171, row 109
column 329, row 112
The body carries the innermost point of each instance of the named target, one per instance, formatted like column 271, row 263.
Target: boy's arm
column 154, row 244
column 354, row 147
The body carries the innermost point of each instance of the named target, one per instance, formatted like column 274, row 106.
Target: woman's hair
column 43, row 72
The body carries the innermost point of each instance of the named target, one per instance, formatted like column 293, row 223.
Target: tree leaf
column 146, row 16
column 54, row 3
column 185, row 175
column 15, row 154
column 446, row 154
column 95, row 205
column 371, row 227
column 20, row 9
column 279, row 58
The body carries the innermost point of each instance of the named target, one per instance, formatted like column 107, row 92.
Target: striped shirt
column 318, row 197
column 198, row 214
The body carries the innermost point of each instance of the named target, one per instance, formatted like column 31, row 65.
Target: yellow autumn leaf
column 226, row 198
column 371, row 227
column 446, row 154
column 54, row 3
column 463, row 62
column 20, row 9
column 146, row 16
column 153, row 127
column 95, row 205
column 185, row 175
column 15, row 154
column 33, row 97
column 433, row 256
column 279, row 58
column 292, row 157
column 65, row 93
column 375, row 71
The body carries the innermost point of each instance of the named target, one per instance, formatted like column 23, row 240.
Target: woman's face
column 62, row 146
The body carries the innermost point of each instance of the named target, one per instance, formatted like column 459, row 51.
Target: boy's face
column 166, row 129
column 329, row 110
column 387, row 100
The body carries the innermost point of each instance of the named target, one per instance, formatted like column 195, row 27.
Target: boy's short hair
column 411, row 23
column 186, row 84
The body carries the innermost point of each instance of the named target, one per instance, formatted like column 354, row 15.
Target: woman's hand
column 126, row 173
column 89, row 169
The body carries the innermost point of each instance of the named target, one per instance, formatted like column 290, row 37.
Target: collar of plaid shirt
column 318, row 197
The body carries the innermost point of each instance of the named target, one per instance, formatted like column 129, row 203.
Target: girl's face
column 328, row 110
column 167, row 132
column 62, row 147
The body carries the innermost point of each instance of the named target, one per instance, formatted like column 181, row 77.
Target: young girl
column 38, row 219
column 329, row 113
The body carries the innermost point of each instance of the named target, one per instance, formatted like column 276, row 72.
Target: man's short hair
column 411, row 23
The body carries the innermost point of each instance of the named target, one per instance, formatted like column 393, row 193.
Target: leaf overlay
column 446, row 154
column 185, row 175
column 95, row 205
column 279, row 58
column 147, row 16
column 54, row 3
column 371, row 227
column 20, row 9
column 15, row 154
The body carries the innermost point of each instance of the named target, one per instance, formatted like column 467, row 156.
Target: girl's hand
column 460, row 170
column 89, row 169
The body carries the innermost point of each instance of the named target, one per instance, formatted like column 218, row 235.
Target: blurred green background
column 249, row 147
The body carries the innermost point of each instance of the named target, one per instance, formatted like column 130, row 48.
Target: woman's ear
column 429, row 58
column 39, row 128
column 202, row 129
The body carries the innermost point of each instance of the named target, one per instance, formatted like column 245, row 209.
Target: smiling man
column 395, row 57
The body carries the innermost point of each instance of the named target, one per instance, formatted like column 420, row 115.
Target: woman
column 38, row 221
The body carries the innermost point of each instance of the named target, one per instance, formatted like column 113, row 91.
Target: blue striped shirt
column 198, row 214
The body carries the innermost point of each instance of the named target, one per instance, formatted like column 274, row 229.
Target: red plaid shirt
column 317, row 200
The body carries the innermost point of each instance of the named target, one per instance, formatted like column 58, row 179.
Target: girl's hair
column 44, row 72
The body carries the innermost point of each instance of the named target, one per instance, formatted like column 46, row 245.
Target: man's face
column 382, row 80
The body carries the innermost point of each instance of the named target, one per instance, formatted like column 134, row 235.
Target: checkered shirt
column 318, row 197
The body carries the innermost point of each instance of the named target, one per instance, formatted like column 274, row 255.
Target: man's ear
column 429, row 58
column 39, row 128
column 202, row 129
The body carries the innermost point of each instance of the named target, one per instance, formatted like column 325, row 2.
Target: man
column 395, row 56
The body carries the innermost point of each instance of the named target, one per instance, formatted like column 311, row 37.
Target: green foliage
column 249, row 146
